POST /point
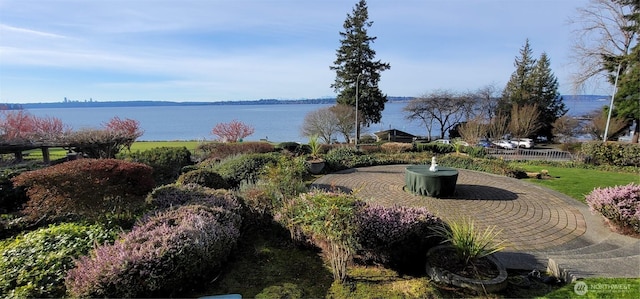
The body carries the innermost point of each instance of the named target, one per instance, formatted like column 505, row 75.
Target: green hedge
column 612, row 153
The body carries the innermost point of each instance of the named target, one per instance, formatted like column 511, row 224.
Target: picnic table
column 422, row 181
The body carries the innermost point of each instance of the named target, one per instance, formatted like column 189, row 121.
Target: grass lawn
column 577, row 182
column 59, row 153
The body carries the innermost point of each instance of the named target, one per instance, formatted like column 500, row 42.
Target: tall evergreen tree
column 547, row 97
column 627, row 98
column 533, row 83
column 356, row 68
column 520, row 86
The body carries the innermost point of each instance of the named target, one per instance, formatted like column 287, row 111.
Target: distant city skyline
column 196, row 50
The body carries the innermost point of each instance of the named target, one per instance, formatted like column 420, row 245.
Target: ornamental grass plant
column 469, row 242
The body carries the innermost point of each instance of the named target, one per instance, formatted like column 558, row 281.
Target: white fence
column 529, row 154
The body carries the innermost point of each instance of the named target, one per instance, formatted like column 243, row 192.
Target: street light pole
column 615, row 89
column 357, row 125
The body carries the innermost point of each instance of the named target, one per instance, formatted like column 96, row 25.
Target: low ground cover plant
column 34, row 265
column 619, row 204
column 164, row 255
column 86, row 187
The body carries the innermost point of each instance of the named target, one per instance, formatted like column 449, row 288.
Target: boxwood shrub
column 205, row 177
column 244, row 168
column 167, row 255
column 34, row 265
column 167, row 162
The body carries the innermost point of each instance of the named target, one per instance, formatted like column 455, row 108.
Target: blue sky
column 199, row 50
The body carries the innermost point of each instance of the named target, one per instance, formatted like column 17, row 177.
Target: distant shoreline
column 150, row 103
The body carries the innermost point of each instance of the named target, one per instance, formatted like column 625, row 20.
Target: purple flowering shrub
column 619, row 204
column 172, row 195
column 396, row 236
column 162, row 256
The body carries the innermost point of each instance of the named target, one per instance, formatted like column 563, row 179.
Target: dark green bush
column 348, row 157
column 86, row 187
column 244, row 168
column 495, row 166
column 222, row 150
column 289, row 146
column 167, row 162
column 204, row 177
column 475, row 151
column 35, row 264
column 612, row 153
column 11, row 198
column 167, row 255
column 436, row 148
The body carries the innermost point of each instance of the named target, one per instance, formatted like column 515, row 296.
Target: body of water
column 279, row 122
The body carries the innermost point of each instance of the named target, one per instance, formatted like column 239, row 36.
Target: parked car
column 443, row 141
column 523, row 142
column 485, row 143
column 447, row 141
column 506, row 144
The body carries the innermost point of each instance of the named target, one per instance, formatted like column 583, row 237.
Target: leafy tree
column 443, row 107
column 356, row 68
column 533, row 83
column 322, row 123
column 232, row 131
column 127, row 127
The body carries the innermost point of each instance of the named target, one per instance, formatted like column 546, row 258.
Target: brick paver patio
column 531, row 218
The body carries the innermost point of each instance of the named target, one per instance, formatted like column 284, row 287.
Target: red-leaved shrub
column 85, row 187
column 619, row 204
column 396, row 236
column 163, row 256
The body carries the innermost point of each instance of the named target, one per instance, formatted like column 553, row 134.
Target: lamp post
column 357, row 126
column 615, row 89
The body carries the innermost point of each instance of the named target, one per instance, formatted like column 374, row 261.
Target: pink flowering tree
column 232, row 131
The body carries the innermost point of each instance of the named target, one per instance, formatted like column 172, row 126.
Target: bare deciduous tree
column 322, row 123
column 565, row 128
column 487, row 100
column 473, row 130
column 345, row 116
column 598, row 123
column 443, row 107
column 600, row 33
column 524, row 120
column 498, row 126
